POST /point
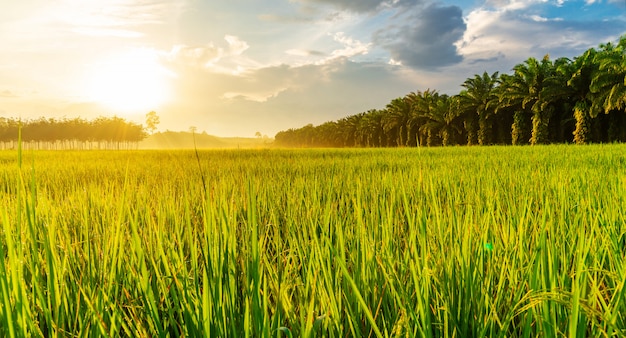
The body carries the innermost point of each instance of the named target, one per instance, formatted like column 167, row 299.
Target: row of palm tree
column 76, row 133
column 542, row 101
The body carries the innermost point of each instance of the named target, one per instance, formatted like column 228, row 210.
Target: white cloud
column 538, row 18
column 115, row 18
column 199, row 56
column 244, row 79
column 352, row 47
column 298, row 52
column 228, row 59
column 121, row 33
column 500, row 37
column 115, row 13
column 512, row 5
column 260, row 96
column 236, row 45
column 362, row 5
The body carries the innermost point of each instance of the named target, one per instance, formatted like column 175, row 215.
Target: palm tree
column 396, row 119
column 511, row 101
column 373, row 128
column 525, row 91
column 470, row 121
column 584, row 69
column 479, row 99
column 421, row 105
column 609, row 84
column 557, row 96
column 443, row 120
column 328, row 135
column 349, row 129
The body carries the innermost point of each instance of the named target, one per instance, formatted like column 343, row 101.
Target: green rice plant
column 454, row 242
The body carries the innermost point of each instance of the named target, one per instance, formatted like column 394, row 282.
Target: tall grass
column 453, row 242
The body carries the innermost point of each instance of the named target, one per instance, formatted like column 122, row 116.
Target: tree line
column 76, row 133
column 580, row 100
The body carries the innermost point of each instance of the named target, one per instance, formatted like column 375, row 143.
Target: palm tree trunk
column 518, row 129
column 470, row 127
column 614, row 130
column 445, row 137
column 484, row 130
column 408, row 136
column 583, row 132
column 540, row 134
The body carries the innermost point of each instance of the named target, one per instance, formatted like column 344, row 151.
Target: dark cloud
column 363, row 6
column 427, row 40
column 492, row 59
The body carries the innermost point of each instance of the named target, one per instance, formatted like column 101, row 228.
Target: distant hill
column 185, row 140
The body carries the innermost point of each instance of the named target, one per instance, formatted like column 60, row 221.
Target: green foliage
column 465, row 242
column 101, row 133
column 479, row 98
column 549, row 93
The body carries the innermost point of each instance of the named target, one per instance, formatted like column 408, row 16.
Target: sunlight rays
column 130, row 82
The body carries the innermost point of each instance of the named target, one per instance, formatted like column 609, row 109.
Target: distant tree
column 525, row 91
column 609, row 88
column 350, row 130
column 193, row 129
column 478, row 101
column 422, row 104
column 542, row 101
column 152, row 121
column 258, row 134
column 397, row 118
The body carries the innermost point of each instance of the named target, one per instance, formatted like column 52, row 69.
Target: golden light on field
column 130, row 83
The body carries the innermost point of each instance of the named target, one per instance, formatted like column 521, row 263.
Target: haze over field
column 232, row 68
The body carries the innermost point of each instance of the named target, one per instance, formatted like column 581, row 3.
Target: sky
column 238, row 67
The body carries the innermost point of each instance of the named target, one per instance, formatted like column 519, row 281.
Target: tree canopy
column 580, row 100
column 76, row 133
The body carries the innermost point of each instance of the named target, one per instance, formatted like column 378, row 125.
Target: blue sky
column 240, row 66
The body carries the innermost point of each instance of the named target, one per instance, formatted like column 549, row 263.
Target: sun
column 132, row 82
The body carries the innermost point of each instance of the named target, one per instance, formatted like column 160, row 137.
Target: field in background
column 187, row 140
column 480, row 241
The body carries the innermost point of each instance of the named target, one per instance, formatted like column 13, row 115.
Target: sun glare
column 130, row 83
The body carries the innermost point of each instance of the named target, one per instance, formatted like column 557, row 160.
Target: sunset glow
column 234, row 68
column 130, row 83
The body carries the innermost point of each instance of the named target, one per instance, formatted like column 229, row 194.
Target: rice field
column 446, row 242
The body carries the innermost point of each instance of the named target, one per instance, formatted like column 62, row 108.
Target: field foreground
column 449, row 242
